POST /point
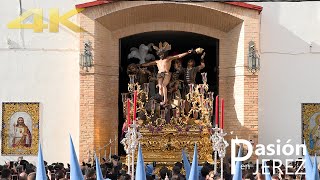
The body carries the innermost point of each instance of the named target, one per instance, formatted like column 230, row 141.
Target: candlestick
column 124, row 97
column 182, row 104
column 215, row 139
column 215, row 162
column 146, row 87
column 222, row 148
column 222, row 112
column 204, row 77
column 132, row 164
column 191, row 88
column 177, row 115
column 201, row 87
column 132, row 77
column 217, row 110
column 135, row 105
column 128, row 111
column 163, row 114
column 153, row 106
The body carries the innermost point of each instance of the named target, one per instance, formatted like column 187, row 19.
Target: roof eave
column 240, row 4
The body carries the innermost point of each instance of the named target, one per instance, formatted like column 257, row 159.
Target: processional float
column 163, row 131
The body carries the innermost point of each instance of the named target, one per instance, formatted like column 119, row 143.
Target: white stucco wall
column 289, row 72
column 42, row 67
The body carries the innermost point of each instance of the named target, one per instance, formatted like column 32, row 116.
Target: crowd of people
column 113, row 169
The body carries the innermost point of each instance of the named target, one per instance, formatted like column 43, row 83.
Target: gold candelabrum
column 165, row 131
column 130, row 143
column 219, row 146
column 201, row 101
column 196, row 108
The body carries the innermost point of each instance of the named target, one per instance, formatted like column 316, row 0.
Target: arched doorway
column 106, row 24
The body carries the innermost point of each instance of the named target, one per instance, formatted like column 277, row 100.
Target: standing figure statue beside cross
column 164, row 65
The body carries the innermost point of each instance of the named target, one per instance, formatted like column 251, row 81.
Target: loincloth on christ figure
column 163, row 75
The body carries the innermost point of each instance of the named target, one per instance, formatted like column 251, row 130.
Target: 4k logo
column 54, row 20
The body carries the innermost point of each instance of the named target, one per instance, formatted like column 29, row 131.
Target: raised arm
column 152, row 63
column 179, row 56
column 202, row 65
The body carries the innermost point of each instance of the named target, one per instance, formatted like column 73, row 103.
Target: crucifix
column 164, row 64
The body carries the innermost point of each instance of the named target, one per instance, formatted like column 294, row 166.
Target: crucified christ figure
column 164, row 64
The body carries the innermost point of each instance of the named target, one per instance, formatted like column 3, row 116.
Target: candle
column 135, row 105
column 128, row 111
column 153, row 104
column 163, row 114
column 217, row 110
column 222, row 112
column 146, row 87
column 174, row 113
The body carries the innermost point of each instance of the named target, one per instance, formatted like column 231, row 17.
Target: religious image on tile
column 20, row 134
column 311, row 126
column 20, row 128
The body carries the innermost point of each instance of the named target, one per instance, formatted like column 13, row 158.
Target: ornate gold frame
column 8, row 109
column 166, row 146
column 307, row 111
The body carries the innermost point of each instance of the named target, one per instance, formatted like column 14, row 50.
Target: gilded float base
column 165, row 147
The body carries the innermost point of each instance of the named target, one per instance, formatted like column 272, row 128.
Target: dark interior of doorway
column 180, row 42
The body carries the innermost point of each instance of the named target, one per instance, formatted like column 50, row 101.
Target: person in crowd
column 260, row 176
column 248, row 175
column 179, row 164
column 23, row 176
column 116, row 165
column 32, row 176
column 6, row 174
column 21, row 172
column 150, row 171
column 175, row 177
column 164, row 171
column 176, row 170
column 275, row 177
column 124, row 169
column 210, row 176
column 104, row 172
column 59, row 174
column 91, row 174
column 125, row 177
column 204, row 172
column 217, row 177
column 29, row 168
column 115, row 170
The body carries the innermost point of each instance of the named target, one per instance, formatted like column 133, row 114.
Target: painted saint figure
column 22, row 136
column 191, row 71
column 164, row 64
column 143, row 75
